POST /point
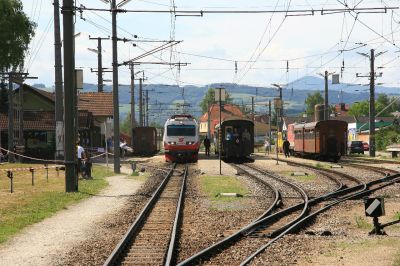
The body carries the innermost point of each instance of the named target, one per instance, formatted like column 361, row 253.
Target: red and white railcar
column 181, row 139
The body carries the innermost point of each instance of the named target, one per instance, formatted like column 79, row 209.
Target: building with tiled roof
column 228, row 111
column 95, row 109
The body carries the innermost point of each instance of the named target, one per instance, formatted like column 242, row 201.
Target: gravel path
column 41, row 243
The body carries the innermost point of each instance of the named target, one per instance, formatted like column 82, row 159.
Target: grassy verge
column 31, row 204
column 212, row 185
column 360, row 247
column 139, row 176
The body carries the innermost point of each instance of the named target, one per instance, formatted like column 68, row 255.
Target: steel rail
column 277, row 194
column 245, row 231
column 118, row 250
column 391, row 180
column 177, row 221
column 373, row 169
column 300, row 190
column 252, row 226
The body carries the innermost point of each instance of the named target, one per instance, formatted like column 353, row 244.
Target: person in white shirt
column 81, row 154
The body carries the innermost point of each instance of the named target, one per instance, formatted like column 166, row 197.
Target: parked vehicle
column 357, row 146
column 320, row 140
column 144, row 141
column 236, row 137
column 366, row 146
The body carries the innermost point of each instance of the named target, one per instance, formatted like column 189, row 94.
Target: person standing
column 286, row 146
column 207, row 145
column 266, row 145
column 81, row 154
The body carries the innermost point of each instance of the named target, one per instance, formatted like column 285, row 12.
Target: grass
column 360, row 246
column 362, row 223
column 396, row 261
column 397, row 216
column 212, row 185
column 139, row 176
column 31, row 204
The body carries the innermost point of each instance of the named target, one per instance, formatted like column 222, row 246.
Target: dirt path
column 40, row 243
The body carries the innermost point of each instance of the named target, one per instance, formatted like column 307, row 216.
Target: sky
column 267, row 48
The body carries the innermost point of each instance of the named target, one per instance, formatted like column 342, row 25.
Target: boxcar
column 236, row 137
column 144, row 141
column 321, row 140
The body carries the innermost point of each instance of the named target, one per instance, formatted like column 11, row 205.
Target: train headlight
column 172, row 142
column 189, row 142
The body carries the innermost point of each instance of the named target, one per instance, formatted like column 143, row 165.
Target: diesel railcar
column 181, row 139
column 324, row 140
column 144, row 141
column 236, row 138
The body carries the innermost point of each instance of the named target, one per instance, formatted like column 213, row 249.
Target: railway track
column 263, row 226
column 152, row 238
column 379, row 170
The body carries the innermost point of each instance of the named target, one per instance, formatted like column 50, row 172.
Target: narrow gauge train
column 236, row 137
column 144, row 141
column 325, row 140
column 181, row 139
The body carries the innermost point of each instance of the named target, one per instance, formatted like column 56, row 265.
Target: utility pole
column 133, row 122
column 252, row 108
column 71, row 178
column 10, row 119
column 115, row 87
column 147, row 108
column 270, row 124
column 58, row 84
column 372, row 106
column 372, row 75
column 99, row 62
column 140, row 103
column 326, row 101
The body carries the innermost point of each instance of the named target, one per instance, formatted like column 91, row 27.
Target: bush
column 387, row 136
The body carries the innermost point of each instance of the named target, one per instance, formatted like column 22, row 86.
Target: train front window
column 181, row 130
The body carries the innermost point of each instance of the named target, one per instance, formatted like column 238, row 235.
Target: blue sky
column 312, row 44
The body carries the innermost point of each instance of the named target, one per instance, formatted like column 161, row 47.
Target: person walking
column 286, row 146
column 207, row 144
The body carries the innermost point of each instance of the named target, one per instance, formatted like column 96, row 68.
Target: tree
column 16, row 33
column 312, row 100
column 3, row 98
column 359, row 109
column 209, row 99
column 126, row 126
column 382, row 103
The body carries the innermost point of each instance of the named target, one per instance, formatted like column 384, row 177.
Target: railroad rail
column 259, row 227
column 379, row 170
column 152, row 237
column 316, row 206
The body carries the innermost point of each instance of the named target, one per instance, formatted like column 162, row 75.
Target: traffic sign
column 374, row 207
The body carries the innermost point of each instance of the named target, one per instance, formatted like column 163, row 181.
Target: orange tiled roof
column 228, row 110
column 98, row 103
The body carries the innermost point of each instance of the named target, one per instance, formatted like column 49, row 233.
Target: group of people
column 84, row 167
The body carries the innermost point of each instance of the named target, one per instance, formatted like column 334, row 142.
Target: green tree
column 312, row 100
column 126, row 126
column 382, row 103
column 359, row 108
column 3, row 98
column 209, row 99
column 16, row 33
